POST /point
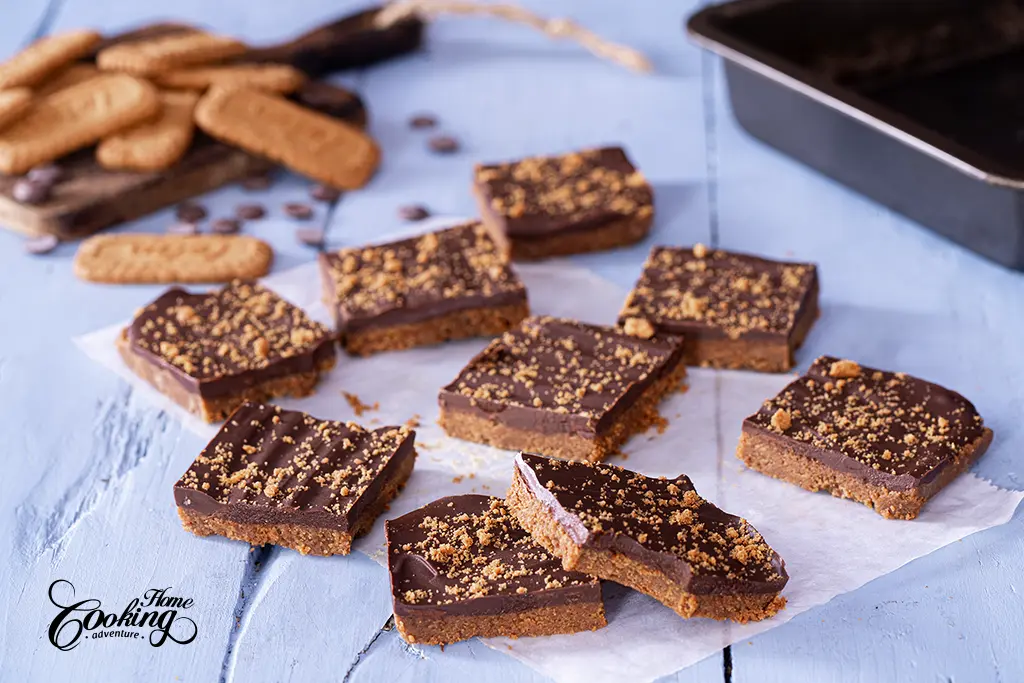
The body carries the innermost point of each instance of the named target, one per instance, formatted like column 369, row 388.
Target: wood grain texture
column 90, row 467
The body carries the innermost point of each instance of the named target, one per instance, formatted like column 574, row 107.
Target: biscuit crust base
column 761, row 355
column 540, row 621
column 308, row 540
column 771, row 456
column 218, row 408
column 473, row 322
column 639, row 417
column 537, row 518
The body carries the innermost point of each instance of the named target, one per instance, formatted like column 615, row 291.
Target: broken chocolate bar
column 884, row 439
column 450, row 284
column 657, row 536
column 563, row 388
column 211, row 352
column 463, row 567
column 286, row 478
column 552, row 206
column 733, row 310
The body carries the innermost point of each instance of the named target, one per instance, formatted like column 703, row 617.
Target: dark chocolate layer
column 715, row 294
column 467, row 555
column 417, row 279
column 220, row 343
column 557, row 376
column 274, row 466
column 887, row 428
column 575, row 192
column 661, row 523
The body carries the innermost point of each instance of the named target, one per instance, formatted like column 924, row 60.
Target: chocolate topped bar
column 211, row 351
column 577, row 390
column 284, row 477
column 443, row 285
column 886, row 439
column 734, row 310
column 461, row 565
column 656, row 535
column 582, row 201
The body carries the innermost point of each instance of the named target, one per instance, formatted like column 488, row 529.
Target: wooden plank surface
column 87, row 485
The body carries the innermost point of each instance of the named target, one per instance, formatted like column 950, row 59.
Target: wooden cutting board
column 90, row 198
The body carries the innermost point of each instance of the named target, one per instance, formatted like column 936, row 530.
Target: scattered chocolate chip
column 300, row 211
column 182, row 228
column 43, row 244
column 27, row 191
column 190, row 212
column 413, row 212
column 225, row 226
column 324, row 193
column 421, row 121
column 250, row 212
column 254, row 183
column 48, row 174
column 443, row 144
column 313, row 237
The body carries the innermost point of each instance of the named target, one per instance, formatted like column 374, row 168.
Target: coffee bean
column 421, row 121
column 313, row 237
column 443, row 144
column 299, row 211
column 28, row 191
column 43, row 244
column 413, row 212
column 182, row 228
column 324, row 193
column 225, row 226
column 250, row 212
column 48, row 174
column 190, row 212
column 255, row 183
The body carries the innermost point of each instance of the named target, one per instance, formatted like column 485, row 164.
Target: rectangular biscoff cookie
column 13, row 105
column 74, row 118
column 279, row 78
column 304, row 140
column 655, row 535
column 153, row 259
column 67, row 77
column 44, row 57
column 147, row 57
column 154, row 145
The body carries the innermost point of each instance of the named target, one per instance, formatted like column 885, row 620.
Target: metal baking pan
column 916, row 104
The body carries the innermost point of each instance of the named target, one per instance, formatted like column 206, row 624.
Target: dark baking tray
column 918, row 104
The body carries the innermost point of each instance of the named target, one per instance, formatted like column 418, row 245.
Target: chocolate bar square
column 211, row 352
column 463, row 567
column 449, row 284
column 884, row 439
column 733, row 310
column 657, row 536
column 286, row 478
column 541, row 207
column 563, row 388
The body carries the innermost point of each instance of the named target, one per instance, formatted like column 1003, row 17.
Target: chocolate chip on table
column 261, row 181
column 225, row 226
column 48, row 174
column 421, row 121
column 190, row 212
column 413, row 212
column 27, row 191
column 313, row 237
column 182, row 228
column 299, row 211
column 325, row 193
column 250, row 212
column 443, row 144
column 43, row 244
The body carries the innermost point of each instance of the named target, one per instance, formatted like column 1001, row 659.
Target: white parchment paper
column 830, row 546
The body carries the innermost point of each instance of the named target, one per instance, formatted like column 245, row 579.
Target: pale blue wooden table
column 85, row 486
